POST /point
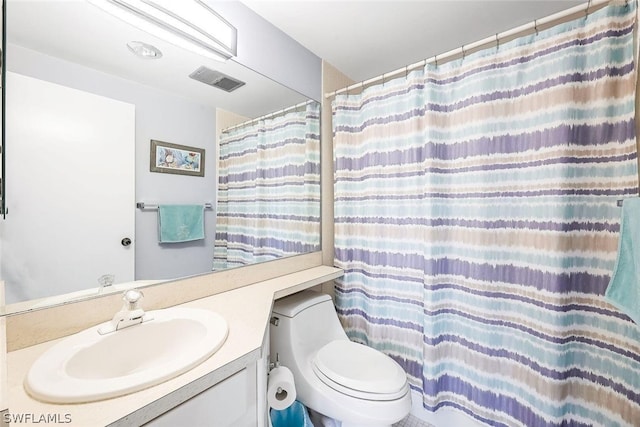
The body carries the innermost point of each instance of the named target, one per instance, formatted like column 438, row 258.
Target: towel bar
column 143, row 205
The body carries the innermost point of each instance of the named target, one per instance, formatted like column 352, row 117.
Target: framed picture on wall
column 177, row 159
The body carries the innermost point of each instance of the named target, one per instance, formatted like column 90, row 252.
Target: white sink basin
column 89, row 366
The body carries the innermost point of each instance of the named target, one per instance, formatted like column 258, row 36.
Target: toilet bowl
column 340, row 379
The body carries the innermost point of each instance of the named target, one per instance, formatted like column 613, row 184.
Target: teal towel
column 295, row 415
column 180, row 223
column 624, row 289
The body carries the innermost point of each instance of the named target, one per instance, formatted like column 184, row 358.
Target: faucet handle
column 106, row 279
column 132, row 297
column 129, row 315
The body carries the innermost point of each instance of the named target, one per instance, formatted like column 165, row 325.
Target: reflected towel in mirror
column 180, row 223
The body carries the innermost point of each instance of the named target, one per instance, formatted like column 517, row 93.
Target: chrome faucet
column 129, row 315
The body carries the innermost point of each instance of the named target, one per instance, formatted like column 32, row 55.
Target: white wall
column 270, row 52
column 72, row 189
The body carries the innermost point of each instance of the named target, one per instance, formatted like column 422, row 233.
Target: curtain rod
column 267, row 116
column 535, row 25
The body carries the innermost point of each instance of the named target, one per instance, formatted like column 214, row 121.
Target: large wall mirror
column 91, row 130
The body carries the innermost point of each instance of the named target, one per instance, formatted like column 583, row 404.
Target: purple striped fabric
column 268, row 203
column 477, row 255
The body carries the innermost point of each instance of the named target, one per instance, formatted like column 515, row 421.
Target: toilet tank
column 301, row 324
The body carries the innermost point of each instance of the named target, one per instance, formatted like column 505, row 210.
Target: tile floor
column 412, row 421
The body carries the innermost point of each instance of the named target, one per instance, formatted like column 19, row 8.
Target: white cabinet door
column 230, row 403
column 70, row 189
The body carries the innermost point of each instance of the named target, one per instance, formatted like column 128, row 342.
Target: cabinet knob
column 125, row 242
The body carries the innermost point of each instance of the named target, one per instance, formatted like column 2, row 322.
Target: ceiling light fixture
column 189, row 24
column 144, row 50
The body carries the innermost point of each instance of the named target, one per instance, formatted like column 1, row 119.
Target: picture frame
column 176, row 159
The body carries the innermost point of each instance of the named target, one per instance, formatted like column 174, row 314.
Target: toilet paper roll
column 281, row 390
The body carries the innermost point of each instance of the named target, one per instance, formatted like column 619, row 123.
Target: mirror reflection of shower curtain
column 269, row 189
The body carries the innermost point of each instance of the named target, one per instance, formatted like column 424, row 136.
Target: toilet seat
column 359, row 371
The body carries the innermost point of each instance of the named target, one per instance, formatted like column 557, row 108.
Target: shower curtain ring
column 435, row 57
column 497, row 42
column 383, row 79
column 535, row 25
column 406, row 72
column 586, row 12
column 464, row 54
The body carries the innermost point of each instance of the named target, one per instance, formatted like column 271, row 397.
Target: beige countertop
column 4, row 396
column 247, row 311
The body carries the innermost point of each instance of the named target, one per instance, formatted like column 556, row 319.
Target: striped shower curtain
column 477, row 224
column 269, row 189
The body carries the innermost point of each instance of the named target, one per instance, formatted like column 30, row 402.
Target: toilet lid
column 360, row 371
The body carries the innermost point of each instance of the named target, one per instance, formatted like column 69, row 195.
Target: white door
column 70, row 189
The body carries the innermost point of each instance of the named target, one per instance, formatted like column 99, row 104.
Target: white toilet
column 340, row 379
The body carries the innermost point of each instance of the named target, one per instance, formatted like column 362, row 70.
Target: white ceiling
column 364, row 39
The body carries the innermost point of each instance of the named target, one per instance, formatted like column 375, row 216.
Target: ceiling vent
column 216, row 79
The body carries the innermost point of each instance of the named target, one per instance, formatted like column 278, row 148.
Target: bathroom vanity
column 229, row 388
